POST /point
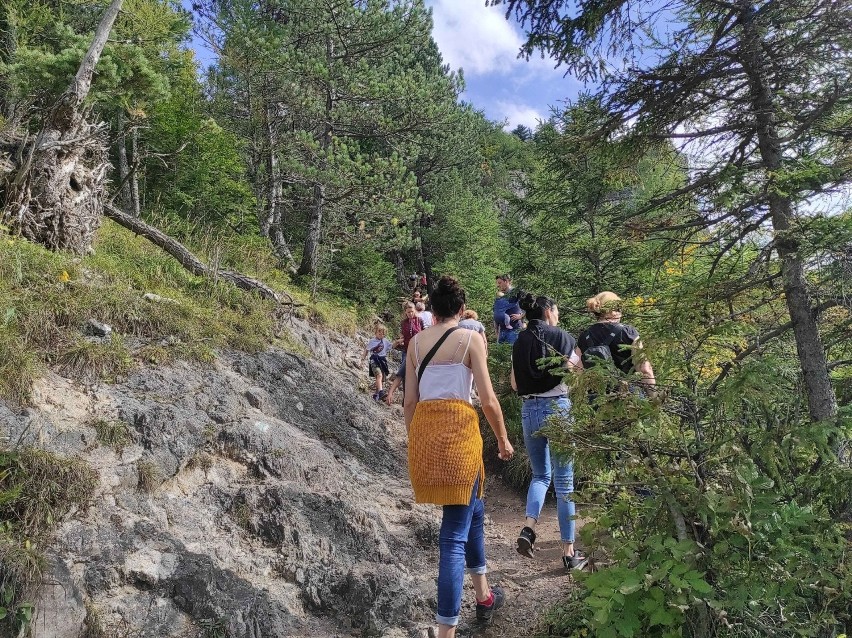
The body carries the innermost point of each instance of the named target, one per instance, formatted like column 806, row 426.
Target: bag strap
column 432, row 352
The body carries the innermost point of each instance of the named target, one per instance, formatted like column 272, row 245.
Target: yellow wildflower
column 64, row 276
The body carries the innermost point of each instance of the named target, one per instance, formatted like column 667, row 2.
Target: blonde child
column 378, row 348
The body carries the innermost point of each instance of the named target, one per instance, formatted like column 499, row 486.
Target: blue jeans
column 534, row 414
column 462, row 542
column 508, row 336
column 401, row 372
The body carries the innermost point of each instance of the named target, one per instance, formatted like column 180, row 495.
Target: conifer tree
column 758, row 96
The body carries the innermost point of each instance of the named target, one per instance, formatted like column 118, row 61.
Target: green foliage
column 203, row 178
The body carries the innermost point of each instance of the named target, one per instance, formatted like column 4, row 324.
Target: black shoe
column 526, row 542
column 577, row 561
column 485, row 612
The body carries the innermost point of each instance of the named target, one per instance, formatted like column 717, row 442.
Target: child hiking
column 377, row 349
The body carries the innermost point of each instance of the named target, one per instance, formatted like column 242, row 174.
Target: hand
column 506, row 450
column 515, row 317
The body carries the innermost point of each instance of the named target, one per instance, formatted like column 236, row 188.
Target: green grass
column 46, row 298
column 37, row 489
column 114, row 434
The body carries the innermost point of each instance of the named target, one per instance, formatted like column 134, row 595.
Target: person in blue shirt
column 508, row 316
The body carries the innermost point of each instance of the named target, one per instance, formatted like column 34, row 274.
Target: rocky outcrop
column 261, row 496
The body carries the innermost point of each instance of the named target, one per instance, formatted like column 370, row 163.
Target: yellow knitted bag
column 445, row 452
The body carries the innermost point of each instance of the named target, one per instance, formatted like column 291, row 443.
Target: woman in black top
column 620, row 339
column 544, row 394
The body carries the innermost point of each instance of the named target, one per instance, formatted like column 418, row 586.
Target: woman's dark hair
column 447, row 298
column 535, row 306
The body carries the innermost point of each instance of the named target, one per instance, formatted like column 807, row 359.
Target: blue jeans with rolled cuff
column 462, row 544
column 545, row 466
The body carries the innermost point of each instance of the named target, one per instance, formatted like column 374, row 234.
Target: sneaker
column 577, row 561
column 526, row 542
column 485, row 612
column 382, row 395
column 375, row 396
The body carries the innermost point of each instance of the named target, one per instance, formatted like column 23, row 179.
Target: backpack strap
column 432, row 352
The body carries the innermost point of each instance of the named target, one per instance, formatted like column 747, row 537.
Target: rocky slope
column 261, row 496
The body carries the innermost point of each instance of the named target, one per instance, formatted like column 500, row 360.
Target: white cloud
column 518, row 114
column 477, row 38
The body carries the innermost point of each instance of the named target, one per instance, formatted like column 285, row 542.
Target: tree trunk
column 69, row 105
column 135, row 203
column 189, row 261
column 822, row 402
column 310, row 254
column 123, row 163
column 273, row 219
column 53, row 195
column 399, row 267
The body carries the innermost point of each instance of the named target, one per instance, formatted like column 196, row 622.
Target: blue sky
column 479, row 40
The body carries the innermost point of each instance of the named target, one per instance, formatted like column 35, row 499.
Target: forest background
column 704, row 179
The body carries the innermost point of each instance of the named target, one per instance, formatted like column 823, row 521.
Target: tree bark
column 123, row 163
column 135, row 203
column 273, row 223
column 822, row 402
column 186, row 259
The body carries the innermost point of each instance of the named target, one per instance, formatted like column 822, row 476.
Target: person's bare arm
column 575, row 361
column 412, row 387
column 643, row 366
column 512, row 381
column 490, row 404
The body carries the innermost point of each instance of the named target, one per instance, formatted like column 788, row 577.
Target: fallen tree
column 189, row 261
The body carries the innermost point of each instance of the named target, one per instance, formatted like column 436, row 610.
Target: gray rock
column 95, row 328
column 60, row 608
column 284, row 509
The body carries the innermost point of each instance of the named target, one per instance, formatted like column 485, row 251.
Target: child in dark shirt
column 378, row 348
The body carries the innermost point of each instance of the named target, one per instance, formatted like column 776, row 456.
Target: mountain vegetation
column 325, row 154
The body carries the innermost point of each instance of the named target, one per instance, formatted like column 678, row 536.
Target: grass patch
column 47, row 298
column 37, row 489
column 114, row 434
column 201, row 460
column 93, row 625
column 89, row 360
column 149, row 475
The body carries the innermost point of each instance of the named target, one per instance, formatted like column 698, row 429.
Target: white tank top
column 448, row 379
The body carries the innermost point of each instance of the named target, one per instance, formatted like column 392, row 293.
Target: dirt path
column 532, row 585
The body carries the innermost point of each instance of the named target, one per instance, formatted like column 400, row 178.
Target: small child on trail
column 378, row 348
column 411, row 325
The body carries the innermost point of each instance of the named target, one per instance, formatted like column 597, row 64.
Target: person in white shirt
column 378, row 349
column 425, row 316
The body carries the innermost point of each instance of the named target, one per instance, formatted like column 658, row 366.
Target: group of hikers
column 443, row 355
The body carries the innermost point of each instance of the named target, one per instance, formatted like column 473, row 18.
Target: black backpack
column 601, row 352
